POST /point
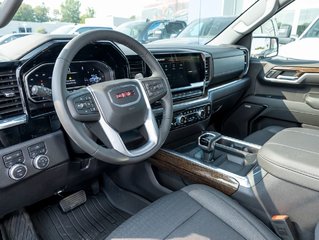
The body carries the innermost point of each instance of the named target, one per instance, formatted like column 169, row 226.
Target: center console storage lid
column 293, row 155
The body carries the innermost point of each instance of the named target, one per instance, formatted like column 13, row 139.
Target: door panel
column 287, row 90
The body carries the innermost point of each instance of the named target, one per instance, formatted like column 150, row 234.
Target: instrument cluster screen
column 80, row 74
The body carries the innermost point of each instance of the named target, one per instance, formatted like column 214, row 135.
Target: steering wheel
column 109, row 109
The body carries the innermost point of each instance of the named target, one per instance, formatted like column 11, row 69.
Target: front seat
column 260, row 137
column 195, row 212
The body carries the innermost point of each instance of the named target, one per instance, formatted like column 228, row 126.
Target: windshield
column 207, row 27
column 133, row 29
column 63, row 30
column 145, row 20
column 312, row 31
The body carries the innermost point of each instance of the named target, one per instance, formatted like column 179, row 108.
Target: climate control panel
column 190, row 116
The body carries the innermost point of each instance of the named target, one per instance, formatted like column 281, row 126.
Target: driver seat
column 194, row 212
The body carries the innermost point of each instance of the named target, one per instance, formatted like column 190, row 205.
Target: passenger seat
column 260, row 137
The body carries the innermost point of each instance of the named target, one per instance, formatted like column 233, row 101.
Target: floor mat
column 18, row 226
column 94, row 220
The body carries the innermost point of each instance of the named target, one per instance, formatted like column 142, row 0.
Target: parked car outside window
column 200, row 31
column 149, row 31
column 298, row 31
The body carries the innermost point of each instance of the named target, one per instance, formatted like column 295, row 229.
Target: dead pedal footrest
column 74, row 200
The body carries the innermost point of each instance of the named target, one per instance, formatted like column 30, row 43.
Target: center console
column 189, row 116
column 188, row 74
column 280, row 178
column 219, row 161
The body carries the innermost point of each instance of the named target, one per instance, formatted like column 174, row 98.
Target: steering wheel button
column 88, row 98
column 79, row 106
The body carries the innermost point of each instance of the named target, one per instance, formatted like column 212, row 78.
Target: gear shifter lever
column 206, row 142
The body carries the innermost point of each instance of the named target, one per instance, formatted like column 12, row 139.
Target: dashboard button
column 180, row 120
column 36, row 146
column 18, row 171
column 201, row 113
column 37, row 149
column 42, row 151
column 33, row 154
column 12, row 158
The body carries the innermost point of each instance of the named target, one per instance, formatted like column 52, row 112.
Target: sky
column 118, row 8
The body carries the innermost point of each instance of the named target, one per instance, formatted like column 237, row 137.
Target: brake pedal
column 74, row 200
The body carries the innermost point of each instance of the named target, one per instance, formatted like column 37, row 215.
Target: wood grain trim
column 195, row 172
column 299, row 70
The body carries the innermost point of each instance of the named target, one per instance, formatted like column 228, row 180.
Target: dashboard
column 191, row 71
column 33, row 145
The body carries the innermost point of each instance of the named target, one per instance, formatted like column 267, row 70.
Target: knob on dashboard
column 201, row 113
column 18, row 171
column 41, row 162
column 181, row 119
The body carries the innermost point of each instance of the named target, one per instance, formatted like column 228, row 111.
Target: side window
column 312, row 31
column 257, row 32
column 269, row 29
column 297, row 30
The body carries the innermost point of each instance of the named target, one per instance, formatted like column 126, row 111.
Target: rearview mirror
column 264, row 47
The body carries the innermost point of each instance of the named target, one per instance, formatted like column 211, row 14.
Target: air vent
column 246, row 57
column 10, row 99
column 136, row 66
column 207, row 68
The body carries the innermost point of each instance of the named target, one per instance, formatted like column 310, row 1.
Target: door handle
column 312, row 99
column 283, row 77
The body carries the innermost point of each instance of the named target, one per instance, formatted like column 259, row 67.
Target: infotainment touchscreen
column 182, row 70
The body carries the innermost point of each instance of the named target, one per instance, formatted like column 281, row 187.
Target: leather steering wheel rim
column 76, row 129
